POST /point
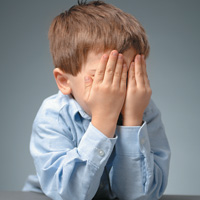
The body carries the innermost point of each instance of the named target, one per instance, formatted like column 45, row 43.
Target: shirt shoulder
column 56, row 108
column 55, row 116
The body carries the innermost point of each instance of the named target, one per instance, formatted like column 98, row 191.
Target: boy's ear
column 62, row 81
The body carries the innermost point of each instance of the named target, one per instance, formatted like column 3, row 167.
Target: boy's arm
column 105, row 95
column 138, row 93
column 66, row 168
column 141, row 166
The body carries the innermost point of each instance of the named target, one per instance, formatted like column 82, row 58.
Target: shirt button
column 101, row 153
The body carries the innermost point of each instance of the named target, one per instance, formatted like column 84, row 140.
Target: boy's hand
column 138, row 93
column 105, row 94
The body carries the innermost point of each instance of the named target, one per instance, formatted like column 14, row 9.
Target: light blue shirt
column 75, row 161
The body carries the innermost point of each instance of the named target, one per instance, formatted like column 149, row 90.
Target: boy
column 100, row 137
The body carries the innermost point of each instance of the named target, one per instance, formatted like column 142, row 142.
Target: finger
column 99, row 74
column 123, row 77
column 110, row 68
column 131, row 75
column 118, row 71
column 146, row 79
column 139, row 75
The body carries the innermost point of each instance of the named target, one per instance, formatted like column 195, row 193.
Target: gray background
column 26, row 79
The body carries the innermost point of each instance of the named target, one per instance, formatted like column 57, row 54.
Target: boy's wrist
column 132, row 121
column 106, row 126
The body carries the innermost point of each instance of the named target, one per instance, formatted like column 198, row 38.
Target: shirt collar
column 76, row 108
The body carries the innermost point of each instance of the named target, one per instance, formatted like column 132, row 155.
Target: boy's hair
column 93, row 26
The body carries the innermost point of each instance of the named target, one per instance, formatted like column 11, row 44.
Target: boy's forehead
column 94, row 58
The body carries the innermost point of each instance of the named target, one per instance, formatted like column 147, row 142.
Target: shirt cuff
column 132, row 140
column 95, row 147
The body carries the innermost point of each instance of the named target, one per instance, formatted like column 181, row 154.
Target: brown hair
column 94, row 26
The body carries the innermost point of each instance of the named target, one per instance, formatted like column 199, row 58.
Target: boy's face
column 89, row 68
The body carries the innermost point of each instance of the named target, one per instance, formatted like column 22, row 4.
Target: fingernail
column 120, row 56
column 105, row 56
column 138, row 57
column 114, row 53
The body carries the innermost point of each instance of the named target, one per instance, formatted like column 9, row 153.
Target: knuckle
column 132, row 76
column 139, row 73
column 133, row 90
column 105, row 88
column 96, row 87
column 124, row 77
column 117, row 74
column 109, row 71
column 100, row 72
column 143, row 90
column 115, row 89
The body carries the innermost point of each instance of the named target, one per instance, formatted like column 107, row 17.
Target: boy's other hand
column 138, row 93
column 105, row 94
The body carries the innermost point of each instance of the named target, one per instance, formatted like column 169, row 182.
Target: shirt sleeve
column 141, row 165
column 64, row 170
